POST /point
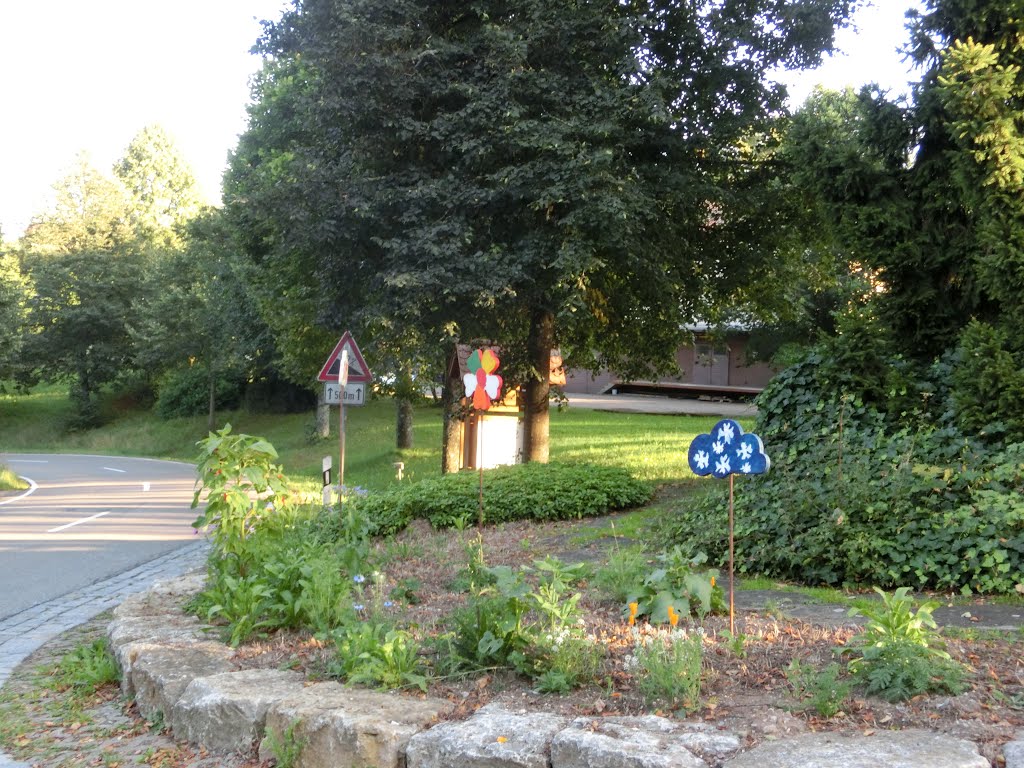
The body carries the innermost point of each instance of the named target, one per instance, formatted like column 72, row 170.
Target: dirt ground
column 746, row 693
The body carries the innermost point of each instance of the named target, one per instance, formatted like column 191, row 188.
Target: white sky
column 89, row 74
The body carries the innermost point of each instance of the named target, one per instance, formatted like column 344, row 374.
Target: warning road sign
column 358, row 370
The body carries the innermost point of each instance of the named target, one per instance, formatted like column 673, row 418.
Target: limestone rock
column 160, row 674
column 227, row 712
column 351, row 726
column 492, row 738
column 892, row 749
column 164, row 597
column 131, row 635
column 1013, row 753
column 638, row 742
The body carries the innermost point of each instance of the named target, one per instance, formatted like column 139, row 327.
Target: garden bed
column 745, row 686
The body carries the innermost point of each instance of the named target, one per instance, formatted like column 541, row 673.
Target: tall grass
column 651, row 447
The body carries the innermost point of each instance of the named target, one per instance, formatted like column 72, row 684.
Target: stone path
column 24, row 632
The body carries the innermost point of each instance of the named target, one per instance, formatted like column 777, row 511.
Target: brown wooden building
column 710, row 366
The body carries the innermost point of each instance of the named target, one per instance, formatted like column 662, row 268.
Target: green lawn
column 651, row 447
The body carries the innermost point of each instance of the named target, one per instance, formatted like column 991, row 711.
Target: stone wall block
column 227, row 712
column 351, row 726
column 492, row 738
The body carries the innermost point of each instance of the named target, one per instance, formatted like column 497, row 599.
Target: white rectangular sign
column 355, row 393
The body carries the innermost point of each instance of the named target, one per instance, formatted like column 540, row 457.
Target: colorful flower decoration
column 727, row 451
column 483, row 385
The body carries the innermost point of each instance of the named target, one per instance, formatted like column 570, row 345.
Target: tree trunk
column 323, row 418
column 403, row 424
column 538, row 387
column 451, row 396
column 213, row 401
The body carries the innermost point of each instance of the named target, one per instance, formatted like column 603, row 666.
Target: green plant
column 286, row 747
column 241, row 602
column 521, row 492
column 491, row 630
column 670, row 669
column 242, row 485
column 737, row 644
column 551, row 597
column 564, row 659
column 676, row 584
column 86, row 668
column 374, row 654
column 820, row 690
column 899, row 653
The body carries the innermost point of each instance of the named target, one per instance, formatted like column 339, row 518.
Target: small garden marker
column 725, row 452
column 483, row 386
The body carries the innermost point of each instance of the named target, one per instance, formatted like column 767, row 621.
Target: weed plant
column 286, row 747
column 899, row 654
column 621, row 573
column 669, row 666
column 10, row 481
column 822, row 690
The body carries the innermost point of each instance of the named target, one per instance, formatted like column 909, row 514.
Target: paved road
column 661, row 404
column 85, row 519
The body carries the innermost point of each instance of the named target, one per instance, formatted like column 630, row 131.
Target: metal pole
column 342, row 383
column 480, row 465
column 732, row 609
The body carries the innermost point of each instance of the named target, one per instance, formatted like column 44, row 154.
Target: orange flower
column 633, row 608
column 673, row 617
column 502, row 739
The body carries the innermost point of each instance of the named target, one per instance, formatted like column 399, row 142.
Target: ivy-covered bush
column 523, row 492
column 857, row 496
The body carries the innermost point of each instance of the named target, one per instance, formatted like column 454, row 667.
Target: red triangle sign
column 358, row 370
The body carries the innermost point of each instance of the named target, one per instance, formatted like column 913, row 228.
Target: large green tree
column 164, row 193
column 537, row 173
column 13, row 297
column 929, row 194
column 198, row 313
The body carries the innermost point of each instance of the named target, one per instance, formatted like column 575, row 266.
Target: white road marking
column 26, row 461
column 111, row 469
column 31, row 489
column 145, row 487
column 60, row 528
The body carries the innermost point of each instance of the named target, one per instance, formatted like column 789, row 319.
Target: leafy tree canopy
column 164, row 192
column 528, row 171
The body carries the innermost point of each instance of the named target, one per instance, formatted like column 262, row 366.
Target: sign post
column 345, row 376
column 342, row 383
column 327, row 480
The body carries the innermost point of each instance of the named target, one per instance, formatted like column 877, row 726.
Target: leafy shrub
column 523, row 492
column 242, row 485
column 852, row 500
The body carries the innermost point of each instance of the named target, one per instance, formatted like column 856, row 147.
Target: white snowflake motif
column 702, row 459
column 718, row 447
column 745, row 469
column 744, row 452
column 726, row 433
column 722, row 467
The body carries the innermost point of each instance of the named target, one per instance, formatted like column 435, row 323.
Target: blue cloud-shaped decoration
column 727, row 451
